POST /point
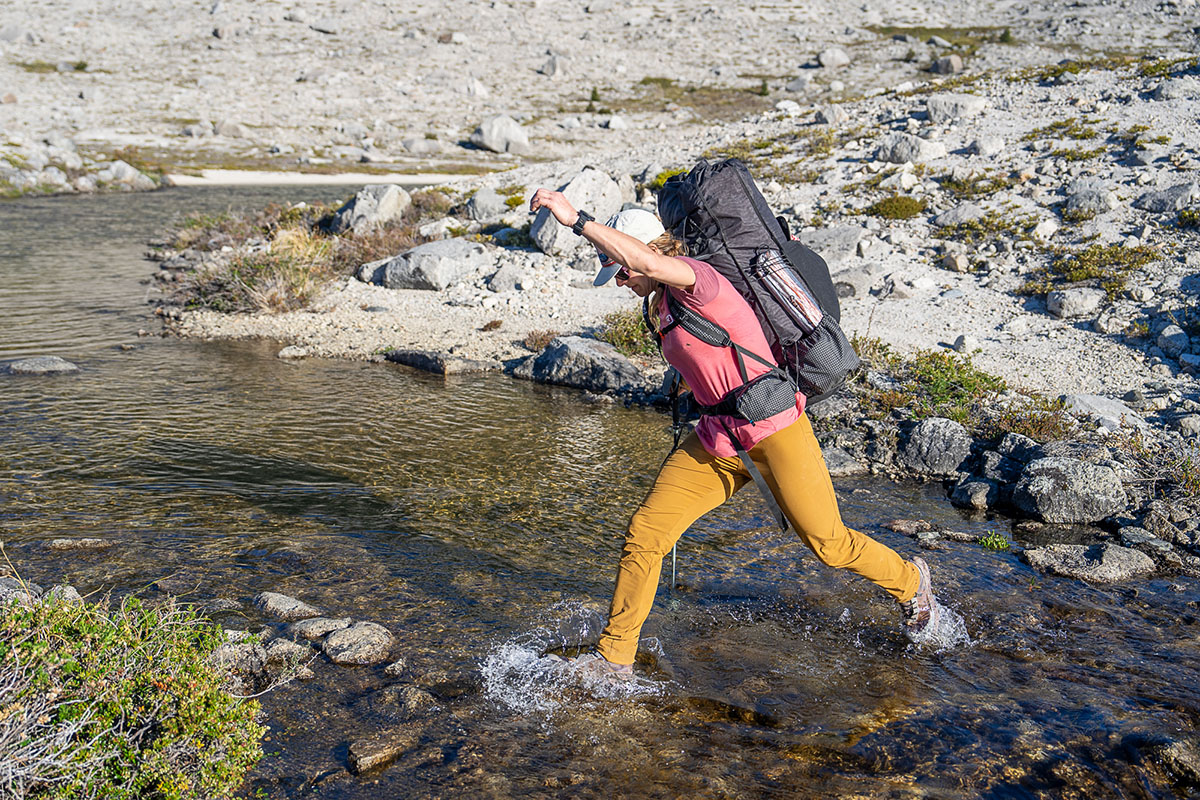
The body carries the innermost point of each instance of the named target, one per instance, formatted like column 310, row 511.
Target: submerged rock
column 1097, row 563
column 41, row 365
column 316, row 627
column 1066, row 490
column 363, row 643
column 283, row 607
column 382, row 748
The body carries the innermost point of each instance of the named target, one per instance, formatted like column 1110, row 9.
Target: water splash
column 945, row 631
column 526, row 673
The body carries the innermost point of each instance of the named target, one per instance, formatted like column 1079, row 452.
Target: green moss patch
column 1105, row 266
column 897, row 207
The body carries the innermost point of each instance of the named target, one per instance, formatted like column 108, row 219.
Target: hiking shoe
column 595, row 666
column 921, row 613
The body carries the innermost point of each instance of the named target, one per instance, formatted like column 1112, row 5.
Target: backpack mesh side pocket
column 821, row 359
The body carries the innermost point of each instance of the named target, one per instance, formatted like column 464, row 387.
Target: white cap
column 636, row 222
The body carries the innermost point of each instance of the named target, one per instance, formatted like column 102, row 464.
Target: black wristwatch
column 583, row 219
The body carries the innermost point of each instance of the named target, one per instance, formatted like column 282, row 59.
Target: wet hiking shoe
column 921, row 613
column 595, row 666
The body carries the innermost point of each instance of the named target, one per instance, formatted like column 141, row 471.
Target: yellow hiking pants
column 693, row 482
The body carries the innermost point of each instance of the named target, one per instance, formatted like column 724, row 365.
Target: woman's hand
column 558, row 204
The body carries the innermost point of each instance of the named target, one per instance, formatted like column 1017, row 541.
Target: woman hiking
column 705, row 470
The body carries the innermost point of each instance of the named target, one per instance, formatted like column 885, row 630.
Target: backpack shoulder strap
column 711, row 333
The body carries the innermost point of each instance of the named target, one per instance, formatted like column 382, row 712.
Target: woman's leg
column 691, row 483
column 790, row 461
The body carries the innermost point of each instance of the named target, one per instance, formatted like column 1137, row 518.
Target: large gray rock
column 1019, row 448
column 975, row 494
column 41, row 365
column 960, row 214
column 1175, row 198
column 435, row 265
column 501, row 134
column 1186, row 88
column 280, row 606
column 1097, row 563
column 1077, row 302
column 1090, row 202
column 986, row 146
column 1173, row 341
column 371, row 208
column 585, row 364
column 1066, row 490
column 898, row 148
column 362, row 643
column 947, row 107
column 833, row 57
column 840, row 463
column 316, row 627
column 947, row 65
column 590, row 190
column 486, row 204
column 937, row 446
column 1113, row 413
column 833, row 244
column 508, row 278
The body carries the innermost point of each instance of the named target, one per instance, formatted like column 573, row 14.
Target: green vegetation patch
column 993, row 225
column 897, row 207
column 1052, row 72
column 981, row 184
column 1167, row 67
column 626, row 331
column 661, row 178
column 119, row 700
column 707, row 102
column 42, row 67
column 1071, row 154
column 1106, row 266
column 965, row 41
column 1062, row 129
column 1189, row 218
column 993, row 540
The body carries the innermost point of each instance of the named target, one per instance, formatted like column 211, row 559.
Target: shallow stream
column 480, row 519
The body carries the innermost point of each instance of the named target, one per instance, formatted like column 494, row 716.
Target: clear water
column 480, row 520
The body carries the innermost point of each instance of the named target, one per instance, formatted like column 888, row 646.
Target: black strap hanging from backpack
column 754, row 401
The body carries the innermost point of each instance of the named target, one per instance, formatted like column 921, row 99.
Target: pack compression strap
column 759, row 481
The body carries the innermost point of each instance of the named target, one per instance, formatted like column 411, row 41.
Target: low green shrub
column 625, row 331
column 118, row 701
column 897, row 207
column 1189, row 218
column 994, row 541
column 538, row 340
column 1041, row 418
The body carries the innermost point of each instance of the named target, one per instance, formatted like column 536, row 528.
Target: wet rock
column 501, row 134
column 396, row 668
column 976, row 494
column 19, row 590
column 486, row 204
column 1175, row 198
column 1066, row 490
column 937, row 446
column 410, row 700
column 960, row 214
column 908, row 527
column 283, row 607
column 898, row 148
column 372, row 207
column 435, row 265
column 292, row 352
column 64, row 545
column 439, row 363
column 589, row 189
column 947, row 107
column 316, row 627
column 585, row 364
column 382, row 748
column 41, row 365
column 363, row 643
column 1141, row 539
column 1097, row 563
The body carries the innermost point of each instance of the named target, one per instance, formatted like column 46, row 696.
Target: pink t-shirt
column 711, row 372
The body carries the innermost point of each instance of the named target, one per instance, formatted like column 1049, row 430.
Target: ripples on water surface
column 480, row 519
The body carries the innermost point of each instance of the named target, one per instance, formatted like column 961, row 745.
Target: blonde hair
column 668, row 245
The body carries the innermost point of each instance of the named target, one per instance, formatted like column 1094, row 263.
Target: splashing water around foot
column 525, row 674
column 945, row 631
